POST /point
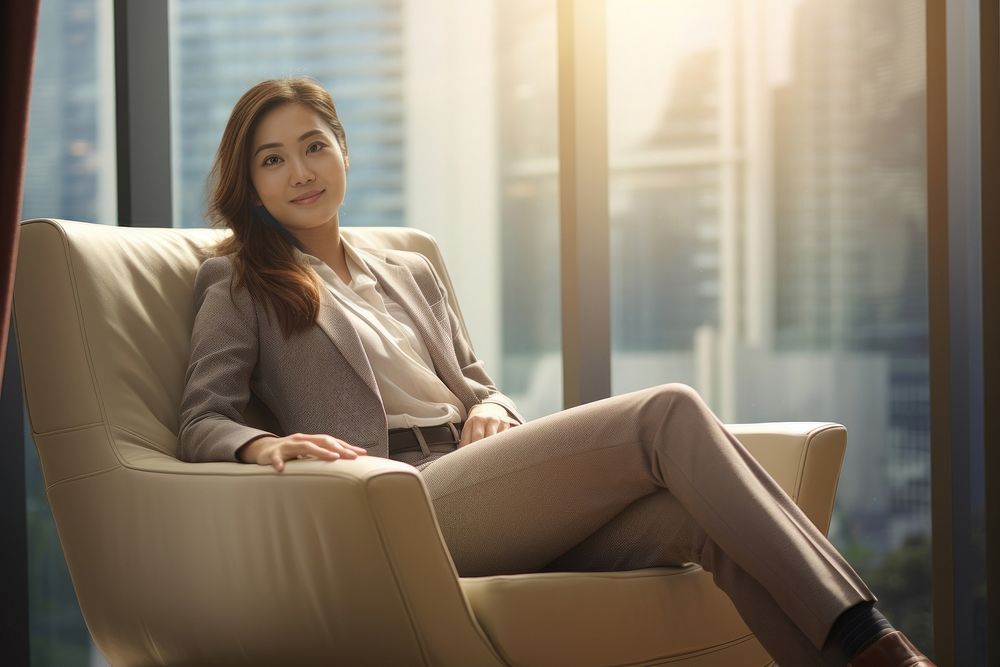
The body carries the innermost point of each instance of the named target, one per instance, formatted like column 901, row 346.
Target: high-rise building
column 851, row 219
column 70, row 172
column 666, row 219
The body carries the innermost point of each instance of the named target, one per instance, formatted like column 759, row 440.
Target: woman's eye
column 317, row 145
column 270, row 160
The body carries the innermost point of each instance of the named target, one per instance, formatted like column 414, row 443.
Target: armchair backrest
column 103, row 317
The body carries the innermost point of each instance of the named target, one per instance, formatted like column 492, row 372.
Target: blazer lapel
column 399, row 284
column 342, row 333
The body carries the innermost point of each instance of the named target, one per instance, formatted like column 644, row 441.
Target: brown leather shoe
column 892, row 650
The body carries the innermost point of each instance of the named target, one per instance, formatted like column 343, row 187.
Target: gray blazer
column 318, row 380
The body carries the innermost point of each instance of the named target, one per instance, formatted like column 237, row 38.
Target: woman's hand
column 275, row 451
column 484, row 420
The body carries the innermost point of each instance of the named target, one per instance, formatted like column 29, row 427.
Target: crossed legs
column 637, row 480
column 655, row 531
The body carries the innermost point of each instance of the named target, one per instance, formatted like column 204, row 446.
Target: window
column 769, row 244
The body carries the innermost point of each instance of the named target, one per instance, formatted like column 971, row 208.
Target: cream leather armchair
column 335, row 564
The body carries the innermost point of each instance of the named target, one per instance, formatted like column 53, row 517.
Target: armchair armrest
column 232, row 563
column 803, row 457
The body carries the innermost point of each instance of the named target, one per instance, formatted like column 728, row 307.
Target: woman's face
column 297, row 167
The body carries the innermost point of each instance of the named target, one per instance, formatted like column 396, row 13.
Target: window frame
column 963, row 100
column 142, row 111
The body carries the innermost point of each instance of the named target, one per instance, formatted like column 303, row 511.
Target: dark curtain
column 18, row 27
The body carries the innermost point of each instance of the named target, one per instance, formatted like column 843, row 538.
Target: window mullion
column 583, row 193
column 142, row 90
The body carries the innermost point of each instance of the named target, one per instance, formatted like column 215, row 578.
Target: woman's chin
column 313, row 219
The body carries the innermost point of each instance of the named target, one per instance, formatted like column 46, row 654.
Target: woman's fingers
column 313, row 449
column 337, row 445
column 322, row 447
column 353, row 448
column 304, row 445
column 467, row 433
column 479, row 427
column 306, row 450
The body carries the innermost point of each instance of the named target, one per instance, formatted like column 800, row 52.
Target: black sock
column 858, row 627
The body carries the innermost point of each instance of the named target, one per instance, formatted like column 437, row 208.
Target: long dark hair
column 261, row 249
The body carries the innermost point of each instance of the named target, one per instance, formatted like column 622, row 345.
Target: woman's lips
column 308, row 198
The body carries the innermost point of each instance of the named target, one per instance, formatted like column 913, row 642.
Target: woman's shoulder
column 214, row 270
column 217, row 277
column 217, row 265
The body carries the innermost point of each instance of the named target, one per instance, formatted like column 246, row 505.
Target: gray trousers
column 645, row 479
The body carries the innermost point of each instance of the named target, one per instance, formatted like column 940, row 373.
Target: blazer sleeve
column 224, row 346
column 472, row 367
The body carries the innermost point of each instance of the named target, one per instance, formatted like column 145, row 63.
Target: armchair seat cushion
column 603, row 618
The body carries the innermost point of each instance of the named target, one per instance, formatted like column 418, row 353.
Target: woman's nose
column 301, row 174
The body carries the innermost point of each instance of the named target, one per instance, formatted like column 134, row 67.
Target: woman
column 357, row 352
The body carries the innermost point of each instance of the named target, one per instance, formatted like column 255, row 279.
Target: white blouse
column 412, row 393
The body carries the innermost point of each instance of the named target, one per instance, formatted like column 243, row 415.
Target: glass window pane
column 441, row 126
column 768, row 214
column 70, row 170
column 70, row 174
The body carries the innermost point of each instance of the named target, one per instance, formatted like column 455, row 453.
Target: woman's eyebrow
column 303, row 137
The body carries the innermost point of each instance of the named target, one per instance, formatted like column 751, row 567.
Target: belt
column 422, row 438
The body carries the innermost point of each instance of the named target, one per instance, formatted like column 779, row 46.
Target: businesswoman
column 357, row 352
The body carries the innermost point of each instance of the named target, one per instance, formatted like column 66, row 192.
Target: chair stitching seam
column 800, row 469
column 67, row 429
column 75, row 478
column 715, row 648
column 141, row 437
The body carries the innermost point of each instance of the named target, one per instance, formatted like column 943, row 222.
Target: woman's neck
column 327, row 246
